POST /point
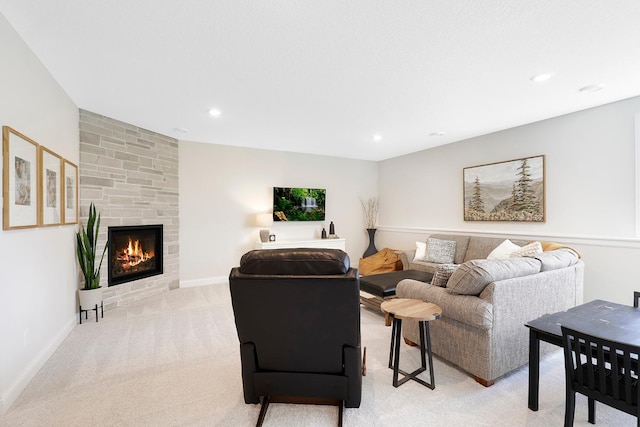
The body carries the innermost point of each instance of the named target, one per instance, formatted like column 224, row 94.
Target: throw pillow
column 440, row 251
column 421, row 251
column 503, row 250
column 442, row 274
column 473, row 276
column 530, row 249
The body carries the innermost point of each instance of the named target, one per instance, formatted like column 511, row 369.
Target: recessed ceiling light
column 436, row 134
column 181, row 130
column 539, row 78
column 215, row 113
column 376, row 137
column 591, row 88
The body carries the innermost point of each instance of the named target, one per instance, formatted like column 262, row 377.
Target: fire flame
column 133, row 255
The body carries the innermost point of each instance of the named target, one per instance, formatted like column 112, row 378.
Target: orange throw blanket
column 550, row 246
column 384, row 261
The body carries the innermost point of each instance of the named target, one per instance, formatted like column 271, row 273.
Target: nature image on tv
column 298, row 204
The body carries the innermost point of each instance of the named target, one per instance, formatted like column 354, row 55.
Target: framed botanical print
column 69, row 192
column 19, row 180
column 49, row 188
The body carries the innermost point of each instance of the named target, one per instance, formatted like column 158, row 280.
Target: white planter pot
column 89, row 298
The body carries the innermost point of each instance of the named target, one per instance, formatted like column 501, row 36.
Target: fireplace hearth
column 135, row 252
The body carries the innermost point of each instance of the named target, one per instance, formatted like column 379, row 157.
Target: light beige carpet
column 173, row 360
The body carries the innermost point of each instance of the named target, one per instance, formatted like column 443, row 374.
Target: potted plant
column 90, row 295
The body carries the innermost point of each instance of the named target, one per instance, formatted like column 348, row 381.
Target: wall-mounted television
column 298, row 204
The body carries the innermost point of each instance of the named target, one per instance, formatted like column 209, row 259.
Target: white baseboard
column 217, row 280
column 13, row 392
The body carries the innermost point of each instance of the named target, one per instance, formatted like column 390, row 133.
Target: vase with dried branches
column 370, row 208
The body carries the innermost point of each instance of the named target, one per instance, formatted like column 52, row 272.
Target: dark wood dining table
column 617, row 322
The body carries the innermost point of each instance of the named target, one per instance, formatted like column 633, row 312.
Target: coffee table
column 383, row 286
column 411, row 309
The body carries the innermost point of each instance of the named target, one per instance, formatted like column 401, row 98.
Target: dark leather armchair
column 297, row 314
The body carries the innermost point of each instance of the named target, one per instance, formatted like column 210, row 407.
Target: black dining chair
column 591, row 371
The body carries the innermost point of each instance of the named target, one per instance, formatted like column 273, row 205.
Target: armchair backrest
column 299, row 307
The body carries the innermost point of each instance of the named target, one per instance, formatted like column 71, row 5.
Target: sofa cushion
column 440, row 251
column 481, row 247
column 442, row 274
column 559, row 258
column 473, row 276
column 429, row 267
column 504, row 250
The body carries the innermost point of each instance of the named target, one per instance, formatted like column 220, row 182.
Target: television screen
column 298, row 204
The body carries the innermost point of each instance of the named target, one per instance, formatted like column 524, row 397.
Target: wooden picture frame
column 69, row 192
column 513, row 190
column 49, row 188
column 20, row 165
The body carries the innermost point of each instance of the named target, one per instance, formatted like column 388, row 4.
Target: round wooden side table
column 400, row 309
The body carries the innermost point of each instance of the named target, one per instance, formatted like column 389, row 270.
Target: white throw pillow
column 504, row 250
column 421, row 251
column 529, row 249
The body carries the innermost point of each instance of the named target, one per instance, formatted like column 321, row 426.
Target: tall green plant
column 87, row 245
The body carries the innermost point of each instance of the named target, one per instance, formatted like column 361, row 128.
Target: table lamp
column 264, row 220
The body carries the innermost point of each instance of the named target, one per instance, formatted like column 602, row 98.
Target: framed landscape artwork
column 19, row 180
column 49, row 190
column 505, row 191
column 70, row 193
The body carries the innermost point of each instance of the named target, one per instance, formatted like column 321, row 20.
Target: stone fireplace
column 135, row 252
column 131, row 174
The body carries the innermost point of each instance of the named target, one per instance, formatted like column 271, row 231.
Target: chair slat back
column 602, row 369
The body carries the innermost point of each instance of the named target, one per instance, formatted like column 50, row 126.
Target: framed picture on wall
column 19, row 180
column 505, row 191
column 69, row 192
column 49, row 188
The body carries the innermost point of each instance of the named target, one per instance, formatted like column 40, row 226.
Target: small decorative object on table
column 324, row 233
column 370, row 208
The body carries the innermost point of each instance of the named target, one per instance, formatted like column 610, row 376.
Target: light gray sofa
column 484, row 334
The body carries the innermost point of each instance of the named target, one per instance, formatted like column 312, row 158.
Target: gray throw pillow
column 473, row 276
column 442, row 274
column 440, row 251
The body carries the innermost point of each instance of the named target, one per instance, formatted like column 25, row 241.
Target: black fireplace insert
column 135, row 252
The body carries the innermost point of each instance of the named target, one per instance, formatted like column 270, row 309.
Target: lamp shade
column 264, row 219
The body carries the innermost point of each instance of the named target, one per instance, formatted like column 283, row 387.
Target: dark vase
column 372, row 244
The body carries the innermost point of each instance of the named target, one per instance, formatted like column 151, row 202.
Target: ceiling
column 325, row 76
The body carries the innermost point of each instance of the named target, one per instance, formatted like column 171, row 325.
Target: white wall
column 38, row 268
column 590, row 191
column 223, row 187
